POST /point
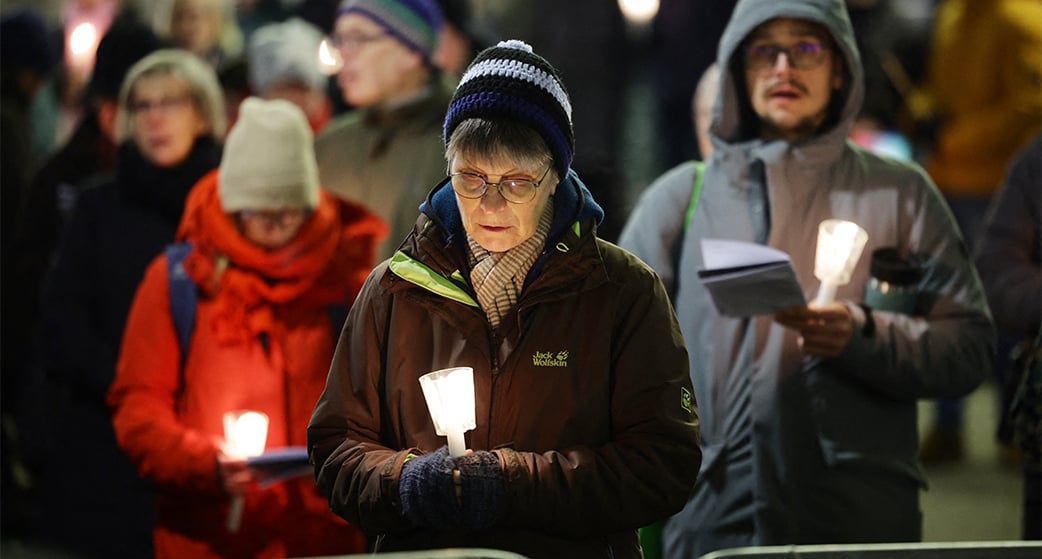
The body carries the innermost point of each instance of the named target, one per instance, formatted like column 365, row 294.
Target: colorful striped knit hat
column 510, row 81
column 413, row 22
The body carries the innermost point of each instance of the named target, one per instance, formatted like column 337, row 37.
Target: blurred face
column 272, row 229
column 166, row 121
column 377, row 67
column 790, row 74
column 313, row 102
column 196, row 25
column 493, row 222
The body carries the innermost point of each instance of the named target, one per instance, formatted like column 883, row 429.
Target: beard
column 803, row 129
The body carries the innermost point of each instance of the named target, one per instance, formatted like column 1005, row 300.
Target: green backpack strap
column 689, row 216
column 696, row 192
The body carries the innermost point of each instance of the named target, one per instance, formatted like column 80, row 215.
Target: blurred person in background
column 206, row 28
column 283, row 64
column 968, row 130
column 88, row 158
column 461, row 38
column 170, row 126
column 269, row 255
column 27, row 59
column 1009, row 257
column 387, row 152
column 84, row 23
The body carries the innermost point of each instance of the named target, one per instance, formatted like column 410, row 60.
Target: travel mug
column 894, row 285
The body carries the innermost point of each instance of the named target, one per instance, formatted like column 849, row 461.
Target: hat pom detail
column 515, row 44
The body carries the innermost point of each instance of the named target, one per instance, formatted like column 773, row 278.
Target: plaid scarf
column 499, row 276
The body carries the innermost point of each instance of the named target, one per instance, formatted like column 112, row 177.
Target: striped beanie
column 512, row 82
column 415, row 23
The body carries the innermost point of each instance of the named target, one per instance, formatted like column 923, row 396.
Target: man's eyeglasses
column 353, row 41
column 164, row 105
column 275, row 218
column 517, row 191
column 804, row 55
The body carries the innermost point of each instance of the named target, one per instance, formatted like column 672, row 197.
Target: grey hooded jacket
column 799, row 449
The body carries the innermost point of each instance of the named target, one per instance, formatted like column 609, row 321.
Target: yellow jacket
column 984, row 84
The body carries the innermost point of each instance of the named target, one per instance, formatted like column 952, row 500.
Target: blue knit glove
column 482, row 488
column 428, row 490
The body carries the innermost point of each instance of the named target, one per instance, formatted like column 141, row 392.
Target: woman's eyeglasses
column 517, row 191
column 275, row 218
column 164, row 105
column 353, row 41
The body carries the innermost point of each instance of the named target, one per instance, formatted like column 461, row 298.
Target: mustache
column 775, row 85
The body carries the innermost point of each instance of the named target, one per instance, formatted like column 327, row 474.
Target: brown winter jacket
column 583, row 393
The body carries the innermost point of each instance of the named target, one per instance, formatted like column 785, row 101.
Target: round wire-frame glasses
column 517, row 191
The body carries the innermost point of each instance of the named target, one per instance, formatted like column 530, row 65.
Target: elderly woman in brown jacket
column 586, row 420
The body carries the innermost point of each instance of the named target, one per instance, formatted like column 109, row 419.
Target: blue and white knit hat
column 510, row 81
column 415, row 23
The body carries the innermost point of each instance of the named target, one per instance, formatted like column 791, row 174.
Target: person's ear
column 411, row 60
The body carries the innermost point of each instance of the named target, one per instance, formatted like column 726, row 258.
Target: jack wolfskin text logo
column 550, row 359
column 685, row 399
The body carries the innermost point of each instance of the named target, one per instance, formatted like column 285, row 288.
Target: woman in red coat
column 270, row 255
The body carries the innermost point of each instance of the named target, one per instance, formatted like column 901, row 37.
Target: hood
column 732, row 106
column 573, row 203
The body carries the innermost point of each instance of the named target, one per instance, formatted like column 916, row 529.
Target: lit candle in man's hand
column 839, row 247
column 245, row 434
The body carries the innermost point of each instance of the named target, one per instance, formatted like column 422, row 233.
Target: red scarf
column 326, row 262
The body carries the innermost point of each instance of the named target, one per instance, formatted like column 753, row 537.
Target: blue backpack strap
column 183, row 294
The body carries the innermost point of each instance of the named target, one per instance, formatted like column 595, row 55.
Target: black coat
column 115, row 230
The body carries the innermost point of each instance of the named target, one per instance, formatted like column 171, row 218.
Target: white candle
column 450, row 400
column 839, row 247
column 245, row 434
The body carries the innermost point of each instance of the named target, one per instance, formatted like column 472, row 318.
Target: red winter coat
column 262, row 340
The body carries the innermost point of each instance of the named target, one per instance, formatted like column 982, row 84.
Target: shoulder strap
column 696, row 193
column 183, row 294
column 689, row 216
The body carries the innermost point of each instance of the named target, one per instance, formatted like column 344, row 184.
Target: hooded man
column 809, row 416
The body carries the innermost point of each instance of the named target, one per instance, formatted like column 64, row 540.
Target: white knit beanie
column 269, row 159
column 285, row 52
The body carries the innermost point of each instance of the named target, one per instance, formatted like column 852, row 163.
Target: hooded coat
column 800, row 449
column 582, row 391
column 262, row 341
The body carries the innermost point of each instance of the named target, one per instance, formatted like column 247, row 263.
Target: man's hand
column 824, row 331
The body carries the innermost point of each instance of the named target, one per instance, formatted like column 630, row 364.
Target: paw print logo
column 685, row 399
column 562, row 355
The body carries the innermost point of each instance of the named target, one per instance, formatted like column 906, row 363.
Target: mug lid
column 888, row 265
